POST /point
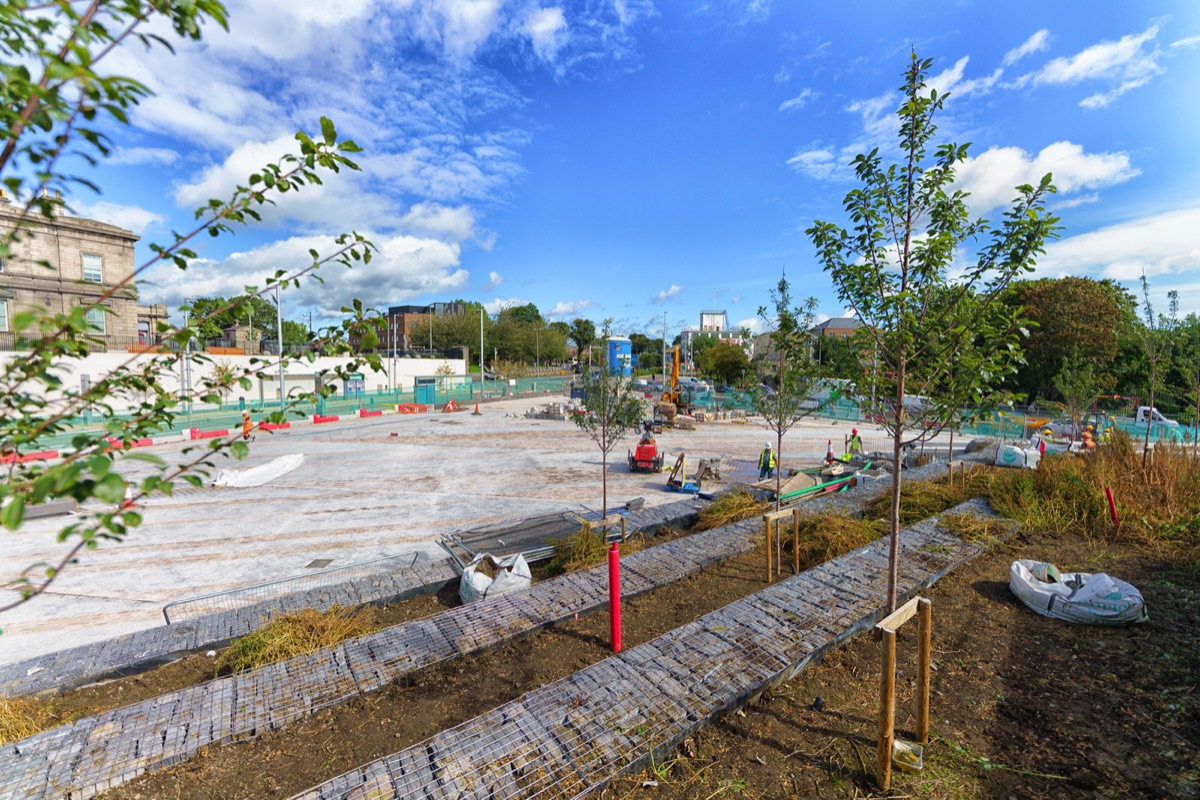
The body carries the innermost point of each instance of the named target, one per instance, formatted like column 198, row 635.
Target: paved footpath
column 576, row 735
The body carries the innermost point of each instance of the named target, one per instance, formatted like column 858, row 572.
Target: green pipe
column 819, row 486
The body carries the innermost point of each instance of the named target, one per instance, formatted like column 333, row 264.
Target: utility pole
column 279, row 333
column 481, row 345
column 664, row 352
column 187, row 361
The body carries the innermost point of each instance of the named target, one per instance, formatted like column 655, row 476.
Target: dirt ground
column 1022, row 706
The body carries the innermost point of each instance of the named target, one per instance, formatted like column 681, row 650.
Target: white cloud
column 133, row 218
column 494, row 280
column 143, row 155
column 498, row 304
column 430, row 219
column 562, row 310
column 820, row 163
column 1034, row 44
column 667, row 294
column 402, row 268
column 547, row 30
column 1128, row 63
column 753, row 324
column 991, row 176
column 1190, row 41
column 737, row 298
column 1160, row 245
column 798, row 102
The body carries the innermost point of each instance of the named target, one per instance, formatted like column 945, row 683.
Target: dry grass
column 296, row 634
column 585, row 549
column 22, row 717
column 1159, row 506
column 828, row 535
column 922, row 499
column 987, row 531
column 729, row 508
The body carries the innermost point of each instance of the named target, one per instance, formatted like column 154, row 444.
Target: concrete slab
column 367, row 488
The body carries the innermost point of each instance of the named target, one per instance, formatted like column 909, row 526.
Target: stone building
column 90, row 263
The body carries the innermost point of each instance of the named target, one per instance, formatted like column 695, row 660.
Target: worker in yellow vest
column 766, row 463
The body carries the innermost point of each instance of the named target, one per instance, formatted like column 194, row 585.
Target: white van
column 1146, row 413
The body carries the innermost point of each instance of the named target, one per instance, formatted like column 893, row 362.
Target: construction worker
column 855, row 444
column 247, row 426
column 766, row 463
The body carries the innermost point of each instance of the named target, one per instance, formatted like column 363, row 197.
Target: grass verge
column 296, row 634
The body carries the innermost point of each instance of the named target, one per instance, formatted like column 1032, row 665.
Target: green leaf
column 110, row 488
column 13, row 512
column 239, row 450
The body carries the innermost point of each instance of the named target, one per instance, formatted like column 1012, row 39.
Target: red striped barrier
column 41, row 455
column 412, row 408
column 199, row 434
column 117, row 444
column 275, row 426
column 362, row 412
column 319, row 420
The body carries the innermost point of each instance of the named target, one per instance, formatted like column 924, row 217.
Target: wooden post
column 924, row 646
column 767, row 543
column 795, row 541
column 887, row 710
column 963, row 468
column 622, row 529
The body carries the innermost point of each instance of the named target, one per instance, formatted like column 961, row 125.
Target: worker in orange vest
column 247, row 426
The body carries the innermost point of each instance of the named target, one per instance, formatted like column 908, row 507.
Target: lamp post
column 279, row 333
column 187, row 361
column 481, row 346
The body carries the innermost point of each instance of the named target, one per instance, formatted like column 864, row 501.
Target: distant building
column 402, row 319
column 836, row 326
column 88, row 261
column 714, row 324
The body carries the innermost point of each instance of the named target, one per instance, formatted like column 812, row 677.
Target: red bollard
column 614, row 595
column 1112, row 506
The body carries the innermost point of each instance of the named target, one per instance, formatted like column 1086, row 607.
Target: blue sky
column 631, row 160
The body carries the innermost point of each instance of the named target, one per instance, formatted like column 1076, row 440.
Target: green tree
column 1076, row 384
column 795, row 371
column 583, row 334
column 1157, row 338
column 613, row 409
column 725, row 362
column 1070, row 315
column 60, row 107
column 892, row 267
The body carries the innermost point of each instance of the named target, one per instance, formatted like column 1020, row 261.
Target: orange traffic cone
column 476, row 412
column 128, row 503
column 829, row 458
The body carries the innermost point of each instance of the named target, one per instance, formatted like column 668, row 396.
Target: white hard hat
column 768, row 445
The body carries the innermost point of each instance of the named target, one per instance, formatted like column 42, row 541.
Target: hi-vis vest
column 767, row 459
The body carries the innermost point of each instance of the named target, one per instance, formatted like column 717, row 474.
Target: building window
column 95, row 319
column 93, row 268
column 3, row 316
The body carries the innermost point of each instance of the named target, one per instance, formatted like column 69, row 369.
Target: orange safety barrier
column 362, row 412
column 412, row 408
column 319, row 420
column 275, row 426
column 199, row 434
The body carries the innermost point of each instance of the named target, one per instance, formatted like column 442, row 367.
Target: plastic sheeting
column 1076, row 596
column 257, row 476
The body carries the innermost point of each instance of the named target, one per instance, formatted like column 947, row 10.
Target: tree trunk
column 1149, row 418
column 604, row 483
column 894, row 516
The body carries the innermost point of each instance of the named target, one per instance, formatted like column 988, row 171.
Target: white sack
column 512, row 573
column 1009, row 455
column 1078, row 596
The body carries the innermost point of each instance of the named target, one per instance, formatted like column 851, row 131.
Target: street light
column 187, row 359
column 279, row 333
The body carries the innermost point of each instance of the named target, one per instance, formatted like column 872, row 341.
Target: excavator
column 676, row 399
